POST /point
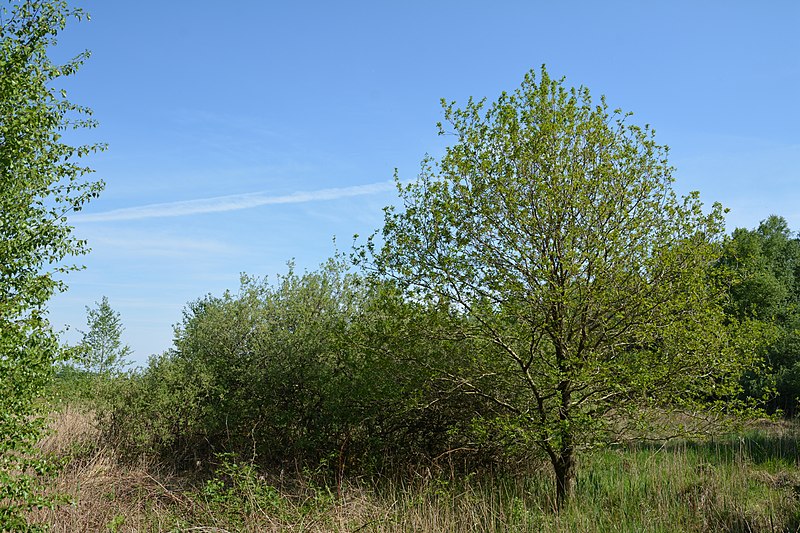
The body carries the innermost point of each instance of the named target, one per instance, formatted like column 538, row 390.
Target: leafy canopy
column 763, row 268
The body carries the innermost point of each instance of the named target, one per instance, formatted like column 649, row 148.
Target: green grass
column 739, row 484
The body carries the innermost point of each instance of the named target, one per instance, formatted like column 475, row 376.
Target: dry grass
column 106, row 494
column 70, row 427
column 103, row 493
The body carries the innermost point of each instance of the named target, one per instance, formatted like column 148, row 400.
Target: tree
column 764, row 287
column 765, row 261
column 41, row 182
column 551, row 231
column 101, row 350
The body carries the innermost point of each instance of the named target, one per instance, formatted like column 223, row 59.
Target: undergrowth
column 743, row 483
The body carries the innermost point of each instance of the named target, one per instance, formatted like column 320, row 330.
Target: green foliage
column 271, row 365
column 763, row 268
column 764, row 263
column 101, row 350
column 262, row 373
column 551, row 232
column 298, row 373
column 408, row 361
column 237, row 489
column 93, row 369
column 155, row 412
column 41, row 182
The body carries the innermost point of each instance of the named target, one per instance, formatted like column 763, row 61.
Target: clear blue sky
column 298, row 112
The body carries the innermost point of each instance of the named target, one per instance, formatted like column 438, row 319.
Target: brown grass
column 106, row 494
column 102, row 491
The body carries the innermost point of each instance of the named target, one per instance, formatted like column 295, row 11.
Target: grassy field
column 744, row 483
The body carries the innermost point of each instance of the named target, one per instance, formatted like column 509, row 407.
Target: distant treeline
column 762, row 268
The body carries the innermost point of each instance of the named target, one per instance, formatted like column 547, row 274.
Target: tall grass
column 743, row 483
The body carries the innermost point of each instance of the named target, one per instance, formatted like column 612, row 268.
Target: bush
column 318, row 370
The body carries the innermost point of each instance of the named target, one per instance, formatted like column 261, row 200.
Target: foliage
column 93, row 369
column 270, row 362
column 412, row 421
column 237, row 490
column 41, row 182
column 297, row 373
column 258, row 373
column 551, row 232
column 764, row 288
column 154, row 412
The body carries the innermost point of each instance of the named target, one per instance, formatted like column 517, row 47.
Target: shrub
column 318, row 370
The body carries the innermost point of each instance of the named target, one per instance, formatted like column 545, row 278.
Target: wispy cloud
column 233, row 202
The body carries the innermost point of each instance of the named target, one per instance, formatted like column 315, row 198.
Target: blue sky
column 245, row 134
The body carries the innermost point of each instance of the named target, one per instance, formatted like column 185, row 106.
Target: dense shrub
column 317, row 369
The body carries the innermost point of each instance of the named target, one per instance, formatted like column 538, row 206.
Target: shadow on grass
column 771, row 450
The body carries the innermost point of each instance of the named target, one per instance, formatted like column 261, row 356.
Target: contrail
column 232, row 202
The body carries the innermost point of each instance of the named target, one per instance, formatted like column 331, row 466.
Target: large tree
column 41, row 182
column 551, row 231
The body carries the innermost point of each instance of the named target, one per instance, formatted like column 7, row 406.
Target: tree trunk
column 564, row 468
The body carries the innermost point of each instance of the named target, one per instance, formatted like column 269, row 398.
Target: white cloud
column 230, row 203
